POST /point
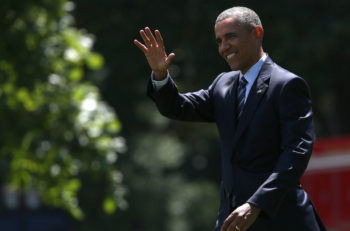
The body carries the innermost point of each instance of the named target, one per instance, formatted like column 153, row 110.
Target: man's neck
column 258, row 57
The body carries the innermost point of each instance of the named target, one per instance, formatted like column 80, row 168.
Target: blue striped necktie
column 241, row 96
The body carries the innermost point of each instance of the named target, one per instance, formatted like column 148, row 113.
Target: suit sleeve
column 194, row 106
column 296, row 133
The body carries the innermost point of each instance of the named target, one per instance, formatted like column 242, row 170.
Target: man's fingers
column 242, row 223
column 145, row 38
column 140, row 45
column 154, row 51
column 151, row 37
column 245, row 217
column 170, row 58
column 228, row 222
column 225, row 225
column 159, row 38
column 236, row 225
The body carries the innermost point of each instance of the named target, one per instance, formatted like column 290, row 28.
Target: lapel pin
column 259, row 91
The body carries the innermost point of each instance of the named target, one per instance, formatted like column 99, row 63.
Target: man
column 264, row 117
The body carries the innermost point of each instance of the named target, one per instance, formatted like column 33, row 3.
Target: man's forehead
column 229, row 24
column 226, row 24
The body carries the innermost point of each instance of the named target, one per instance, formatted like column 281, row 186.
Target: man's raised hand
column 154, row 50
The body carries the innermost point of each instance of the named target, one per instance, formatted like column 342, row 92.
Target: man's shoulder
column 226, row 77
column 282, row 79
column 223, row 83
column 276, row 71
column 282, row 75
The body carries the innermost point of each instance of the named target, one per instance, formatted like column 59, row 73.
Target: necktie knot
column 243, row 82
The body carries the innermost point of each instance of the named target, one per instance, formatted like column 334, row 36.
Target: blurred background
column 83, row 148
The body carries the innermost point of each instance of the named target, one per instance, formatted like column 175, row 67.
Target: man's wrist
column 255, row 207
column 158, row 84
column 160, row 75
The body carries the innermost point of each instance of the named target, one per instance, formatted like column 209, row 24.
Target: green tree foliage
column 172, row 169
column 56, row 134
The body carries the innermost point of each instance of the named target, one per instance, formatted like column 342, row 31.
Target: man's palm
column 154, row 50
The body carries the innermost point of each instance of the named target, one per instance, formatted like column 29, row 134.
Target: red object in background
column 327, row 181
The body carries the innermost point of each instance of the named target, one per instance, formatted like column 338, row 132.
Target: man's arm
column 195, row 106
column 296, row 131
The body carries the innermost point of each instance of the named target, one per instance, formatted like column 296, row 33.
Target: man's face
column 238, row 44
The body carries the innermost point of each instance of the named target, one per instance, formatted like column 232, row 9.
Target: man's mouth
column 230, row 55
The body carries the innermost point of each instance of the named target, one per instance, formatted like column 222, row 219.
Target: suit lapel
column 256, row 93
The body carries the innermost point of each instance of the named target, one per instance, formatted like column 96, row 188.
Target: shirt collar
column 253, row 72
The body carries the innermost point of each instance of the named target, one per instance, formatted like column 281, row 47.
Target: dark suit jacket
column 265, row 153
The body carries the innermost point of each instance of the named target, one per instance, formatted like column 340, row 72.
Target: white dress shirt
column 251, row 75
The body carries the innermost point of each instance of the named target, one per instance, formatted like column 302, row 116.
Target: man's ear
column 259, row 31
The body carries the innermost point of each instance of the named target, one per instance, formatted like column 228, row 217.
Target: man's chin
column 233, row 65
column 234, row 68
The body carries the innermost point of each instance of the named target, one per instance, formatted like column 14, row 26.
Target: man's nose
column 224, row 46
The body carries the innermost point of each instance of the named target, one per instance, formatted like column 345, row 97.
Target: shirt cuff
column 158, row 84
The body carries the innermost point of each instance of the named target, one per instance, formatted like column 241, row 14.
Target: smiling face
column 238, row 44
